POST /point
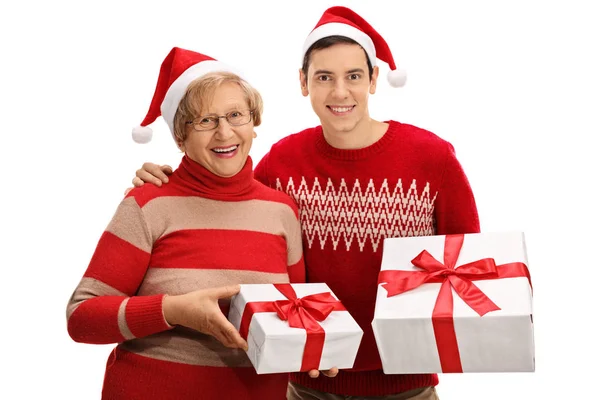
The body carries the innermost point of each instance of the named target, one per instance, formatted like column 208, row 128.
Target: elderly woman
column 171, row 252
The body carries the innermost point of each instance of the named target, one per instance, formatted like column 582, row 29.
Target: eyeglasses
column 209, row 122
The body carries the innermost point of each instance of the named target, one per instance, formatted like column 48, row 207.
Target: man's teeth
column 341, row 109
column 225, row 149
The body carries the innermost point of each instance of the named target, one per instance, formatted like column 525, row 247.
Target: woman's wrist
column 169, row 305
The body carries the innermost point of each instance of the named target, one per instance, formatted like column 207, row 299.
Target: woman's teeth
column 226, row 149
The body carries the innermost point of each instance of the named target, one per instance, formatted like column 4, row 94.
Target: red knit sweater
column 196, row 232
column 409, row 183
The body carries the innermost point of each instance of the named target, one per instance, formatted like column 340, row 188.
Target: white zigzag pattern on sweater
column 339, row 214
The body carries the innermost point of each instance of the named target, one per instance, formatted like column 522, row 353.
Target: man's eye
column 354, row 77
column 323, row 78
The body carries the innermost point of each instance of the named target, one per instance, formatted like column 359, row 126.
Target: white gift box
column 499, row 341
column 275, row 347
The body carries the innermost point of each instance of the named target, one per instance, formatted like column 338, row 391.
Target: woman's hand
column 200, row 310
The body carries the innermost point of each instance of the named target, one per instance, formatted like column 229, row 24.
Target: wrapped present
column 294, row 327
column 455, row 303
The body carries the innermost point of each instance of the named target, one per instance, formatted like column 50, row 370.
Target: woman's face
column 222, row 150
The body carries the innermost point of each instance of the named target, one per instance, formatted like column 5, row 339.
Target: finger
column 137, row 182
column 146, row 176
column 330, row 373
column 223, row 339
column 155, row 170
column 167, row 170
column 227, row 334
column 313, row 373
column 235, row 339
column 225, row 292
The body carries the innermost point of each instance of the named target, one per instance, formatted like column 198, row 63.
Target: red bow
column 300, row 313
column 459, row 278
column 306, row 311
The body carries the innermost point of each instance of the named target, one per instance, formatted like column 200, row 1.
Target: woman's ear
column 254, row 135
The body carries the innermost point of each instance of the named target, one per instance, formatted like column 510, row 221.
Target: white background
column 513, row 85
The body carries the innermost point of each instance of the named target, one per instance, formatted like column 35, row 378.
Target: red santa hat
column 342, row 21
column 177, row 71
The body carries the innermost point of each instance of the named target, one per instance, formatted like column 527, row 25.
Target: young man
column 357, row 181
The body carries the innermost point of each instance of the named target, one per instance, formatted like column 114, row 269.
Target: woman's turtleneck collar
column 200, row 179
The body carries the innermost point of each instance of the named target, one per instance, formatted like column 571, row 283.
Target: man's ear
column 303, row 82
column 373, row 85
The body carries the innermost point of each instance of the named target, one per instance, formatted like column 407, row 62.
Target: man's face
column 339, row 86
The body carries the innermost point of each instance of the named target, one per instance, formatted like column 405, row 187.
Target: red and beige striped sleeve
column 104, row 308
column 296, row 268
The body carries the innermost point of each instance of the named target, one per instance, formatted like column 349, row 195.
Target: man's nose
column 340, row 90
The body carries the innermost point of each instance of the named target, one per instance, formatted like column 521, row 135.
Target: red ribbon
column 459, row 278
column 302, row 313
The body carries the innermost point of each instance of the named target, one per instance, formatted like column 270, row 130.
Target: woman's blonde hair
column 199, row 94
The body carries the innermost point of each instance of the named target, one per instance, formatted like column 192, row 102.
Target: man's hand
column 200, row 310
column 331, row 373
column 152, row 173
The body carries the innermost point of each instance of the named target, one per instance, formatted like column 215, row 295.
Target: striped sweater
column 197, row 231
column 408, row 183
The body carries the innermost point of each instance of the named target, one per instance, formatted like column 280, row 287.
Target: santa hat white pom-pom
column 397, row 78
column 141, row 134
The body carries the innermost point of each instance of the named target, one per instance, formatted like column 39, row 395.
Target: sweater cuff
column 144, row 315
